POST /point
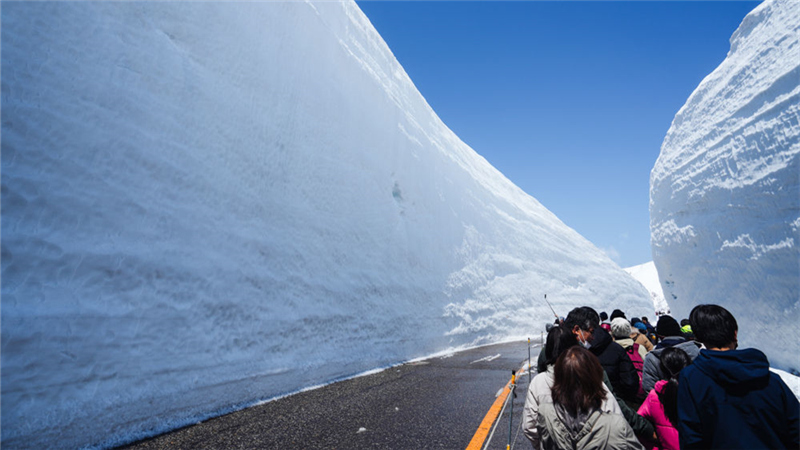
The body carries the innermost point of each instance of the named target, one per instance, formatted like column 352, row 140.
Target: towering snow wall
column 724, row 193
column 206, row 204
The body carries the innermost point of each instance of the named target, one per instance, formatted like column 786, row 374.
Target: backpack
column 638, row 364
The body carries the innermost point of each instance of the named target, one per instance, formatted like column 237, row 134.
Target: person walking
column 728, row 398
column 580, row 415
column 671, row 335
column 661, row 405
column 619, row 367
column 559, row 339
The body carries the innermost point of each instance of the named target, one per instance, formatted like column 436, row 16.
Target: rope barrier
column 491, row 435
column 480, row 441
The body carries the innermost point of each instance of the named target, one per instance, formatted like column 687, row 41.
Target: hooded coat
column 651, row 371
column 539, row 393
column 730, row 399
column 616, row 363
column 599, row 429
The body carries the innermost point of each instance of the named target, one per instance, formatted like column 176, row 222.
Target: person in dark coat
column 728, row 398
column 617, row 364
column 583, row 322
column 671, row 336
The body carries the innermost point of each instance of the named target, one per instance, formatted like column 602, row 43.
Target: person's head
column 634, row 321
column 714, row 326
column 644, row 319
column 641, row 327
column 617, row 313
column 578, row 381
column 603, row 316
column 685, row 322
column 620, row 328
column 581, row 322
column 667, row 326
column 558, row 340
column 672, row 361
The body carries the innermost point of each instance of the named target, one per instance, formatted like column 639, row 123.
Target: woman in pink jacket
column 661, row 404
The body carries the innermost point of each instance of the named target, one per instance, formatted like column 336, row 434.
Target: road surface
column 436, row 403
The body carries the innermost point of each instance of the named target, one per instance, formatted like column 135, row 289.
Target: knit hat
column 620, row 328
column 667, row 326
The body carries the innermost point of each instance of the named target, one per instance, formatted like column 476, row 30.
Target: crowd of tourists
column 607, row 382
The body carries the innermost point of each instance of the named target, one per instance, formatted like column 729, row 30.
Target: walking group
column 609, row 383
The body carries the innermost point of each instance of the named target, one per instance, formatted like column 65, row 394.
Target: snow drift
column 210, row 204
column 725, row 191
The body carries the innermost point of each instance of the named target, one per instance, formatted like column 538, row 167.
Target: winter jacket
column 539, row 394
column 626, row 343
column 730, row 399
column 618, row 366
column 642, row 340
column 652, row 364
column 601, row 429
column 653, row 410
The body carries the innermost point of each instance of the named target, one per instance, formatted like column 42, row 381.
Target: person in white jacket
column 559, row 339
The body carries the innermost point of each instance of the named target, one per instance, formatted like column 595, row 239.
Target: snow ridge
column 725, row 191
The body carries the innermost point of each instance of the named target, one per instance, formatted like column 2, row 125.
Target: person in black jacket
column 583, row 322
column 729, row 398
column 617, row 364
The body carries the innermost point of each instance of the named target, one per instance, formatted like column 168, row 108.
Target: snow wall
column 205, row 205
column 725, row 191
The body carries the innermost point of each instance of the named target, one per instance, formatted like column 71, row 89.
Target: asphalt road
column 433, row 404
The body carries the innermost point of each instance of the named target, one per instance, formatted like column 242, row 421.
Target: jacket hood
column 733, row 366
column 671, row 341
column 625, row 343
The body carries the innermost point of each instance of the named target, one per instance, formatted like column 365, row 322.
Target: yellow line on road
column 483, row 430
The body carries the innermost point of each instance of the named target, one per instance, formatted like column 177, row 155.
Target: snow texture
column 725, row 191
column 210, row 204
column 648, row 275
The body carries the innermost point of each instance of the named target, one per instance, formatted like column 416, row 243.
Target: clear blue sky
column 570, row 100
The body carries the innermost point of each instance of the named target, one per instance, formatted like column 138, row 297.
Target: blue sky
column 569, row 100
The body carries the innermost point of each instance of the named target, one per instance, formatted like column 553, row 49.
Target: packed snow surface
column 648, row 275
column 725, row 191
column 208, row 204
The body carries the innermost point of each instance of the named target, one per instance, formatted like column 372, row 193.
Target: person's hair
column 635, row 320
column 617, row 313
column 603, row 315
column 713, row 325
column 558, row 340
column 673, row 360
column 645, row 320
column 685, row 322
column 667, row 326
column 584, row 317
column 620, row 328
column 578, row 381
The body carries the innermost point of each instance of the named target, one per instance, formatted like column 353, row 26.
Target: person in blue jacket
column 728, row 398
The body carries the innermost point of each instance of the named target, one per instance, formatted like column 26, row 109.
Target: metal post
column 511, row 411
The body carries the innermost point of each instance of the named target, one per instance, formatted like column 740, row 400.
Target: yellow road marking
column 483, row 430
